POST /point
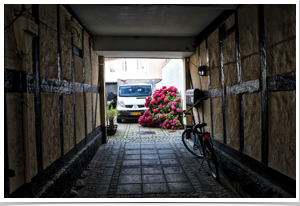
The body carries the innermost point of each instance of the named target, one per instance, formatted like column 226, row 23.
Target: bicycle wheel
column 211, row 159
column 192, row 143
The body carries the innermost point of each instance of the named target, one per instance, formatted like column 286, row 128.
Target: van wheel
column 119, row 120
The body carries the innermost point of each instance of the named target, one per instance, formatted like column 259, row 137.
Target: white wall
column 172, row 75
column 136, row 69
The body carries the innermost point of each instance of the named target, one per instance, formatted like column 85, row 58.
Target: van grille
column 130, row 106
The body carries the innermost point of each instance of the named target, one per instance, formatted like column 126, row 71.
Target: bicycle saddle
column 200, row 125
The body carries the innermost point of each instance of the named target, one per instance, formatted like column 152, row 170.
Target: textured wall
column 229, row 61
column 31, row 135
column 86, row 58
column 280, row 25
column 88, row 112
column 229, row 22
column 282, row 131
column 65, row 45
column 15, row 139
column 249, row 42
column 98, row 110
column 214, row 59
column 203, row 61
column 77, row 30
column 232, row 118
column 48, row 41
column 280, row 31
column 217, row 119
column 50, row 136
column 78, row 69
column 79, row 118
column 95, row 66
column 252, row 125
column 68, row 122
column 207, row 115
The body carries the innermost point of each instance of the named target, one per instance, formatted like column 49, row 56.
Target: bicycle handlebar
column 186, row 112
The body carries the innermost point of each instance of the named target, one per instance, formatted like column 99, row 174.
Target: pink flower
column 173, row 94
column 168, row 125
column 160, row 106
column 172, row 112
column 173, row 107
column 165, row 115
column 166, row 100
column 164, row 87
column 179, row 98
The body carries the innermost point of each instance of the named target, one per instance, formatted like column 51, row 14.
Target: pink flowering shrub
column 164, row 109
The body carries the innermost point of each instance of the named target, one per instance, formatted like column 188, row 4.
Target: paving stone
column 131, row 171
column 105, row 180
column 165, row 151
column 181, row 187
column 148, row 167
column 123, row 179
column 148, row 151
column 155, row 188
column 153, row 178
column 129, row 189
column 173, row 170
column 181, row 177
column 131, row 162
column 102, row 190
column 149, row 156
column 132, row 152
column 132, row 157
column 150, row 162
column 169, row 161
column 167, row 156
column 152, row 170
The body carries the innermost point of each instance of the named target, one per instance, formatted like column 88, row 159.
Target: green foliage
column 110, row 112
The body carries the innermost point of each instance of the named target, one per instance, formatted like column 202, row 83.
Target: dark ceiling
column 147, row 20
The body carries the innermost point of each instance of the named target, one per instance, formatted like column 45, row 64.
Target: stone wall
column 60, row 114
column 234, row 61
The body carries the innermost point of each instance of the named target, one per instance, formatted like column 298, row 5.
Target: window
column 111, row 68
column 124, row 66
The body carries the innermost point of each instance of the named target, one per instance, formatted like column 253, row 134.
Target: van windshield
column 134, row 91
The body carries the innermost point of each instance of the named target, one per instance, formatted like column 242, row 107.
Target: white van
column 131, row 100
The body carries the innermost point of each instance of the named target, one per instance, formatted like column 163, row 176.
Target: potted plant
column 111, row 113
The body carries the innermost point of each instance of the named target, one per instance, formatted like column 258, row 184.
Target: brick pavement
column 149, row 166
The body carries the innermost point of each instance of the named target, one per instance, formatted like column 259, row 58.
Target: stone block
column 252, row 125
column 280, row 34
column 50, row 135
column 232, row 118
column 282, row 131
column 68, row 122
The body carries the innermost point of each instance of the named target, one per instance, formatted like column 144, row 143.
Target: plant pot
column 112, row 131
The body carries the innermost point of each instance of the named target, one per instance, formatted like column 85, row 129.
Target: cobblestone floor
column 149, row 166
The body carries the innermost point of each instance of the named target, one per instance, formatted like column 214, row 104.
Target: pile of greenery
column 164, row 109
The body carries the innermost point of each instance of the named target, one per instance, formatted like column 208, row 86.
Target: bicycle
column 200, row 144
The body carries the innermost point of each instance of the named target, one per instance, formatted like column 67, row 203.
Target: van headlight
column 121, row 103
